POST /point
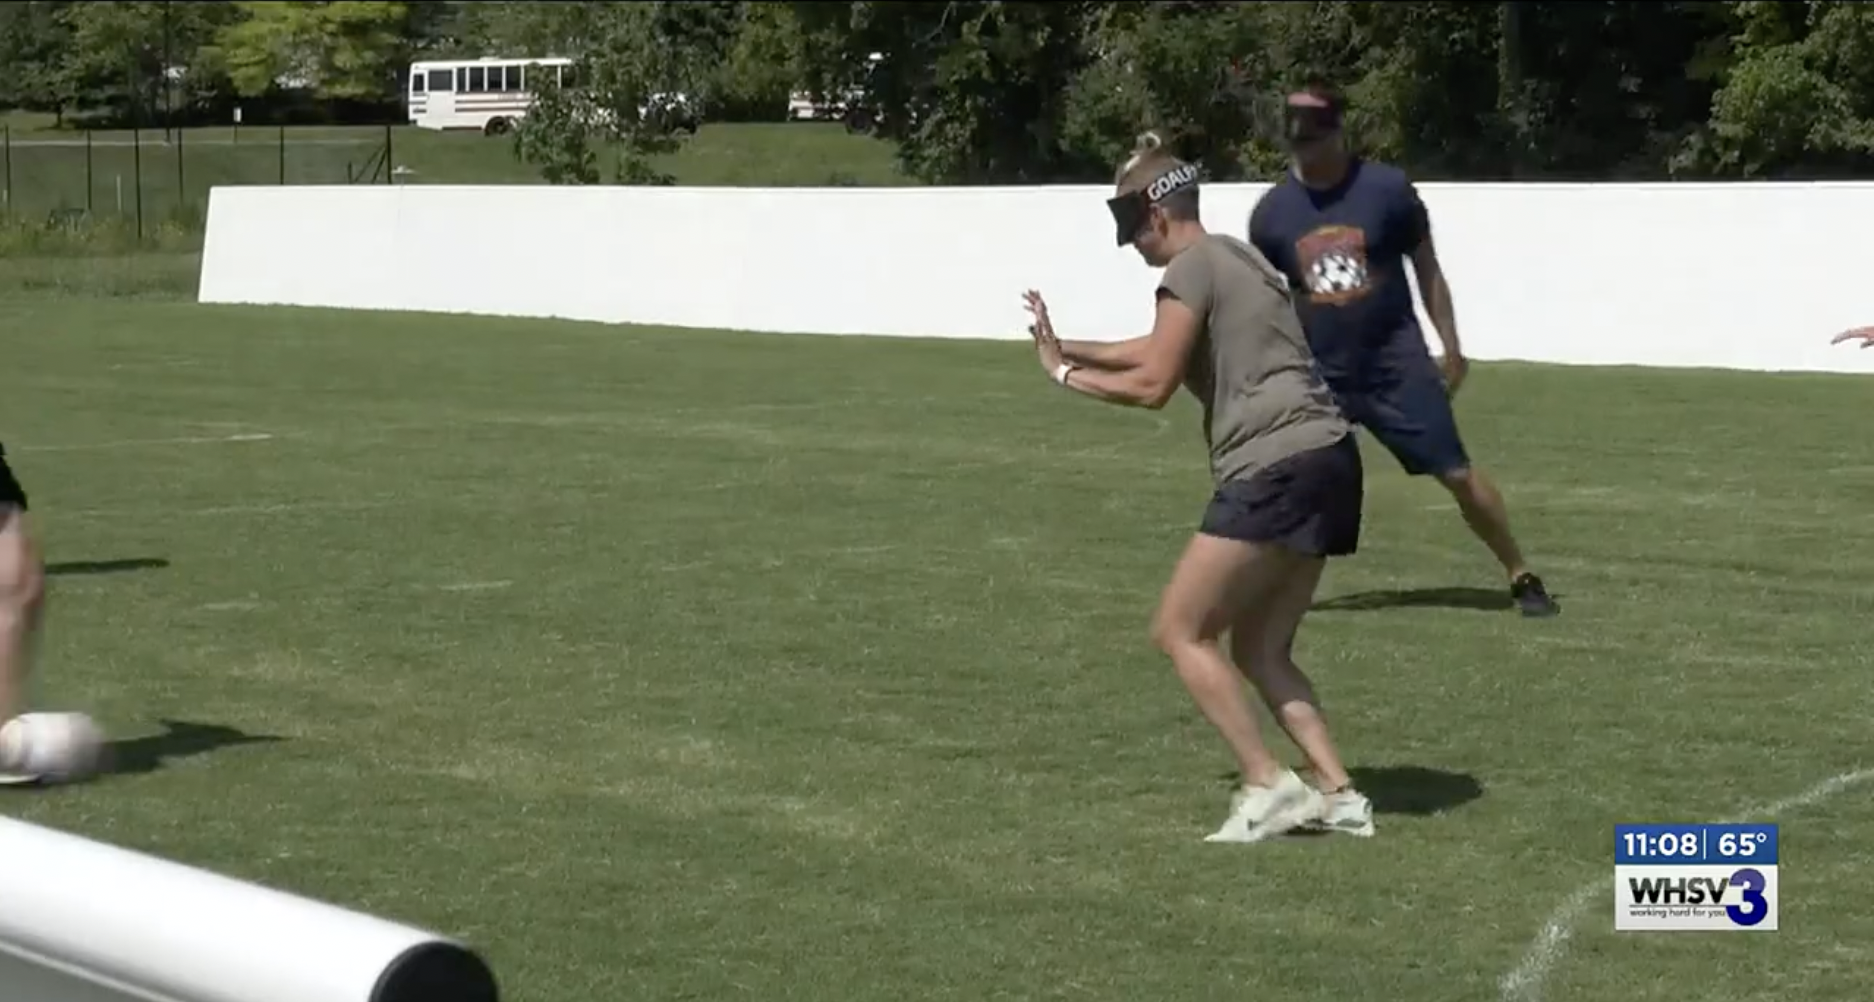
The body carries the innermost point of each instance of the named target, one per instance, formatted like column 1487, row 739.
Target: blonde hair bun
column 1146, row 145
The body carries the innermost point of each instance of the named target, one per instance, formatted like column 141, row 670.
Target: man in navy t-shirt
column 1342, row 228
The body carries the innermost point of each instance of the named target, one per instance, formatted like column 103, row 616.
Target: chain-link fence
column 154, row 179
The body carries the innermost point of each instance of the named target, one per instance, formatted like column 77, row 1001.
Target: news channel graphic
column 1695, row 878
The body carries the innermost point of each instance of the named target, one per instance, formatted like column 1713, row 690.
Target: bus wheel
column 497, row 127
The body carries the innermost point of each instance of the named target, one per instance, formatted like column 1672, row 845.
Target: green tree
column 1592, row 88
column 127, row 57
column 1447, row 89
column 970, row 92
column 1797, row 95
column 437, row 28
column 340, row 50
column 630, row 60
column 763, row 63
column 33, row 40
column 1208, row 73
column 1008, row 92
column 1597, row 90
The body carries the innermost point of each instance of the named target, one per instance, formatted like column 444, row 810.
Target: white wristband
column 1062, row 371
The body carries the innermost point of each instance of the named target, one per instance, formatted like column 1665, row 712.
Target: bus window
column 443, row 80
column 416, row 83
column 476, row 81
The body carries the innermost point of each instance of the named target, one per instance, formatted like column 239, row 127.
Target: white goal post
column 82, row 921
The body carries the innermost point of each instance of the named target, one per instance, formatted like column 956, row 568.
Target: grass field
column 150, row 275
column 686, row 665
column 46, row 170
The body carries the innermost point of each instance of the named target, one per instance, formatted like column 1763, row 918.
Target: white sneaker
column 1260, row 812
column 8, row 774
column 1348, row 813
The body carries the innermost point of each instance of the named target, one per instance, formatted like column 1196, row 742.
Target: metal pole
column 387, row 158
column 88, row 167
column 139, row 92
column 168, row 103
column 136, row 170
column 182, row 189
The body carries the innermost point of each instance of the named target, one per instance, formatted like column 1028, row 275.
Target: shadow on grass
column 1478, row 599
column 1415, row 790
column 82, row 567
column 179, row 739
column 147, row 754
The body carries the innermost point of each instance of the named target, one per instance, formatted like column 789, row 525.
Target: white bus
column 491, row 94
column 488, row 94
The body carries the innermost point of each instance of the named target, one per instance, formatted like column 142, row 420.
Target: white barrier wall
column 81, row 921
column 1747, row 276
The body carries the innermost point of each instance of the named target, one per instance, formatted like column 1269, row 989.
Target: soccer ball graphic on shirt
column 1336, row 273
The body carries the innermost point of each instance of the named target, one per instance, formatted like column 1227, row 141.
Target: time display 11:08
column 1663, row 843
column 1692, row 843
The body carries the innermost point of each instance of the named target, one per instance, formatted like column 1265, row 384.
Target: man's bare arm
column 1435, row 293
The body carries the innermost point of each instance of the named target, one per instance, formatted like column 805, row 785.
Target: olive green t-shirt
column 1251, row 369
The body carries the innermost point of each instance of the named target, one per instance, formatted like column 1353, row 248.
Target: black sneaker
column 1530, row 596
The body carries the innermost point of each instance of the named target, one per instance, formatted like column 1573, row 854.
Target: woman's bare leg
column 1263, row 645
column 22, row 596
column 1214, row 582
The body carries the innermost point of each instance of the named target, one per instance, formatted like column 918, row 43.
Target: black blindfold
column 1131, row 210
column 1309, row 123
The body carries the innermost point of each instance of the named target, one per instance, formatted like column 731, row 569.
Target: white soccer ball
column 51, row 747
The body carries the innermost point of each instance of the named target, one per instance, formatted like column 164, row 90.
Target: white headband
column 1171, row 181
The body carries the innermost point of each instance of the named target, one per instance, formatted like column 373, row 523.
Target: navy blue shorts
column 1309, row 503
column 1409, row 412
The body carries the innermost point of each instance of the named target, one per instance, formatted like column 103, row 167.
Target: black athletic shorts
column 1309, row 503
column 12, row 495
